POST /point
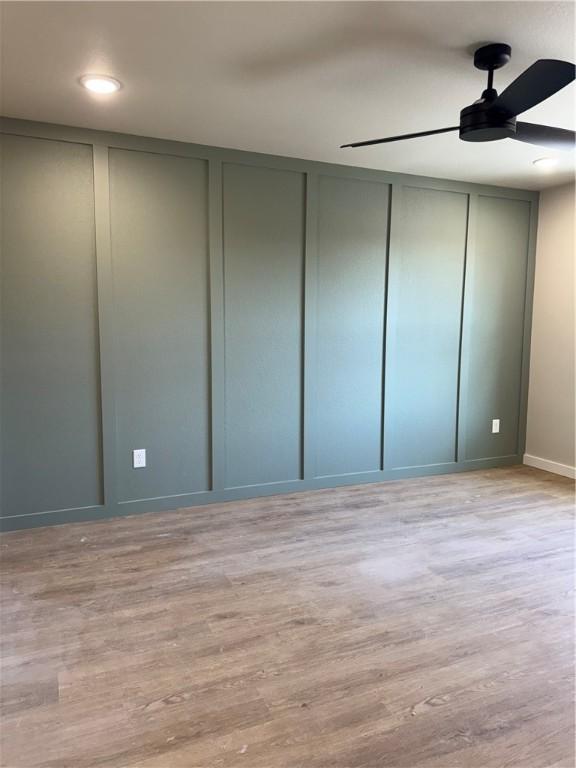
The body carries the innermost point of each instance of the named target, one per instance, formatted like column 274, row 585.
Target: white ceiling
column 291, row 78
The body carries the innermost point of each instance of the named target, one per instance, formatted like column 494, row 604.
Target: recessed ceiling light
column 545, row 163
column 100, row 83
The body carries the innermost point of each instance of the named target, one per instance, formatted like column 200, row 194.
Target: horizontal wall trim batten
column 17, row 127
column 314, row 271
column 203, row 498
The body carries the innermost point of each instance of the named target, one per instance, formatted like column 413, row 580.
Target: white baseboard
column 550, row 466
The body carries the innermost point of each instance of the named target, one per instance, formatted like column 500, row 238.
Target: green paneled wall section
column 258, row 324
column 352, row 251
column 51, row 443
column 263, row 216
column 494, row 320
column 159, row 239
column 424, row 310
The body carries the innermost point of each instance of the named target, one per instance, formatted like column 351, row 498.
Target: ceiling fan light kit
column 545, row 163
column 493, row 116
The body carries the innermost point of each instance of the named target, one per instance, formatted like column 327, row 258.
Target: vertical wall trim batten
column 527, row 330
column 105, row 320
column 394, row 192
column 217, row 338
column 2, row 363
column 310, row 325
column 460, row 343
column 389, row 327
column 470, row 260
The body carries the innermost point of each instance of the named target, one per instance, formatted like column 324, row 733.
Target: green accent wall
column 258, row 324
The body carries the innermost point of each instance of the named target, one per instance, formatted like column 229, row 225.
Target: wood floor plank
column 424, row 623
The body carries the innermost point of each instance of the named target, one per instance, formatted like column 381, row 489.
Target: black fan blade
column 399, row 138
column 545, row 135
column 540, row 81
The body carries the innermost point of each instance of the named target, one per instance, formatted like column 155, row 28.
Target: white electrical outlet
column 139, row 458
column 495, row 426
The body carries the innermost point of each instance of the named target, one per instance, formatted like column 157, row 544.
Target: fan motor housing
column 479, row 123
column 492, row 56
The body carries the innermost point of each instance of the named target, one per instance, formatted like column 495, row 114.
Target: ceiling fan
column 493, row 116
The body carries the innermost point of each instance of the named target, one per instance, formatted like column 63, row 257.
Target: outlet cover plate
column 139, row 458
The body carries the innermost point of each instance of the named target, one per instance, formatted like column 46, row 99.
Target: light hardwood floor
column 421, row 623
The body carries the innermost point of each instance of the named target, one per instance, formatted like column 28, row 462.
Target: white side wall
column 550, row 442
